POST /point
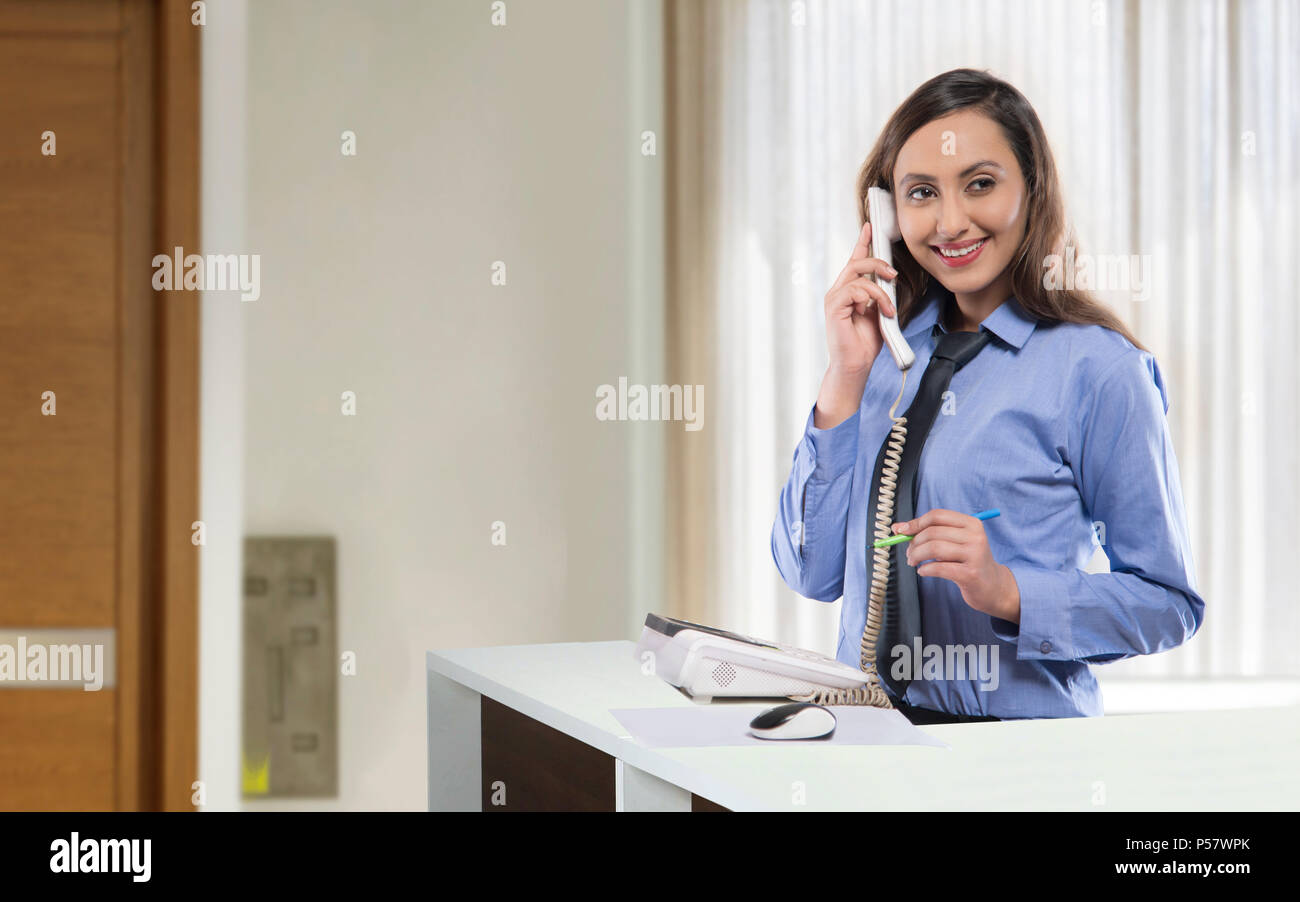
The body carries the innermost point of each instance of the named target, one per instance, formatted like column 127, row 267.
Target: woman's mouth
column 960, row 254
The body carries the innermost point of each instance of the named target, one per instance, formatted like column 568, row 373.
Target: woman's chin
column 960, row 282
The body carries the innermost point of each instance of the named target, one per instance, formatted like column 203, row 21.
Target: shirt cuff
column 831, row 451
column 1043, row 633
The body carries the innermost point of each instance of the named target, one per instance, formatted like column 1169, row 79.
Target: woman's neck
column 969, row 310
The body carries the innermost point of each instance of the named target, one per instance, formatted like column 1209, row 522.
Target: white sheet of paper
column 723, row 725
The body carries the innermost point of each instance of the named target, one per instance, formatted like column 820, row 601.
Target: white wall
column 221, row 407
column 475, row 403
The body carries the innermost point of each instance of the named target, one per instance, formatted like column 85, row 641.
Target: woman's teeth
column 961, row 252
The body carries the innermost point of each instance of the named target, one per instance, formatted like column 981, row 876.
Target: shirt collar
column 1010, row 322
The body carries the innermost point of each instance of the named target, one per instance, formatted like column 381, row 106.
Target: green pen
column 894, row 540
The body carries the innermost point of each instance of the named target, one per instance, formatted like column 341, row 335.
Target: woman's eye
column 912, row 194
column 982, row 184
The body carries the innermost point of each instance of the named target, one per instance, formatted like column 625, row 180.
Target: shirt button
column 1045, row 647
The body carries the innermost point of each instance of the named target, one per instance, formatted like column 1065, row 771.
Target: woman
column 1058, row 421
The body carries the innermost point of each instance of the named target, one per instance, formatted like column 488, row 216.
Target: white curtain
column 1174, row 128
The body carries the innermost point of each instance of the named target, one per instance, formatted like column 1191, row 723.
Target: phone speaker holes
column 724, row 674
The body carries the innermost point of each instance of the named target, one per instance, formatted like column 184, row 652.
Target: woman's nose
column 953, row 221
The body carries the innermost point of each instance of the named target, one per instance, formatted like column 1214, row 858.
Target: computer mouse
column 797, row 720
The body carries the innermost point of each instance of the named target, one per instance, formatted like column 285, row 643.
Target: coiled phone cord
column 873, row 693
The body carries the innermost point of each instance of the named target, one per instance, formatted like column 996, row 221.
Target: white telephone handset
column 884, row 232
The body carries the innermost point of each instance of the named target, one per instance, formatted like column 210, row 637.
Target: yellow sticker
column 257, row 779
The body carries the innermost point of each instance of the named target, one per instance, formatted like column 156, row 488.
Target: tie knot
column 960, row 347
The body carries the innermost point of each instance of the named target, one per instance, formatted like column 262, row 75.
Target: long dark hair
column 1046, row 232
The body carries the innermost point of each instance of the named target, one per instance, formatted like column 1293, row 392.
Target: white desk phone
column 706, row 662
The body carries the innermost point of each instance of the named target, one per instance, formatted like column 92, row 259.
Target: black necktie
column 901, row 624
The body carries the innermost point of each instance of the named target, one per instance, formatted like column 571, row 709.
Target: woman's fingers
column 863, row 247
column 872, row 266
column 853, row 304
column 861, row 251
column 945, row 533
column 939, row 550
column 944, row 543
column 937, row 516
column 859, row 289
column 868, row 291
column 865, row 266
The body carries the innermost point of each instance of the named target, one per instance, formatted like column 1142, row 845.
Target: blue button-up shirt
column 1060, row 426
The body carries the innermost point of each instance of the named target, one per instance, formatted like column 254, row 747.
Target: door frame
column 158, row 637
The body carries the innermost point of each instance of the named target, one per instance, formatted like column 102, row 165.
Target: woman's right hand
column 852, row 332
column 852, row 310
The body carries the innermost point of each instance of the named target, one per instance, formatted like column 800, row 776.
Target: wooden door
column 98, row 397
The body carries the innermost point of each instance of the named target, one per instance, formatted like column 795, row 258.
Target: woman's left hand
column 957, row 549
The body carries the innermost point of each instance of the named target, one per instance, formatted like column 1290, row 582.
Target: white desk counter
column 1244, row 759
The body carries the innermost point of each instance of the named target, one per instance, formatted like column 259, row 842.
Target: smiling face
column 962, row 213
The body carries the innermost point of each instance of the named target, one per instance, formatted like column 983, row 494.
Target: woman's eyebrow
column 915, row 177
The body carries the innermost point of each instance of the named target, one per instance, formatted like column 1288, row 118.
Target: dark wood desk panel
column 543, row 769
